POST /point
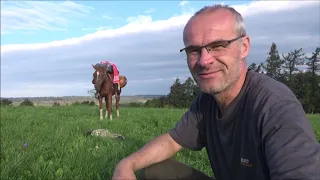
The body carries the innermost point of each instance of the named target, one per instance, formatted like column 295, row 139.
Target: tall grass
column 49, row 142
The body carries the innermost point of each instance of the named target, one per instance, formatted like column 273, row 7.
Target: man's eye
column 216, row 47
column 193, row 51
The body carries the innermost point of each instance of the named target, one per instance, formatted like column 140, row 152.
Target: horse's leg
column 117, row 102
column 110, row 105
column 100, row 107
column 107, row 106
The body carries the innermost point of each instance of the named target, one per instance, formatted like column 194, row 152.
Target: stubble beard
column 226, row 82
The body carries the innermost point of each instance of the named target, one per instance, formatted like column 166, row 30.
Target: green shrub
column 5, row 102
column 27, row 102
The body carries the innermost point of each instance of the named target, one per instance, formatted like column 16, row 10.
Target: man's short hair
column 239, row 26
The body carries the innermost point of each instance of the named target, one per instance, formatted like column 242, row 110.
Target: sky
column 48, row 47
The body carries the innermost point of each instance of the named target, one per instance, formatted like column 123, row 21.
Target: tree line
column 28, row 102
column 301, row 73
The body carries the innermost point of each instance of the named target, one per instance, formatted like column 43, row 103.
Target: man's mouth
column 205, row 75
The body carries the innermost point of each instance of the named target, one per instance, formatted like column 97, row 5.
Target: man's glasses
column 215, row 48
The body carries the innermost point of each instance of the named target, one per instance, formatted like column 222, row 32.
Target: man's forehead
column 217, row 25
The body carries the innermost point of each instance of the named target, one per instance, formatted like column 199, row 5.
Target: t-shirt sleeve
column 291, row 148
column 189, row 131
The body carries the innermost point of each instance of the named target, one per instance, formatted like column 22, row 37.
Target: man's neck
column 224, row 99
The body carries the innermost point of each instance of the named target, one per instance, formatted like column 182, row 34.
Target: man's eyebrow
column 192, row 46
column 212, row 42
column 218, row 41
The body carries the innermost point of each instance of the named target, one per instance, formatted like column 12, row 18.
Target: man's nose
column 205, row 58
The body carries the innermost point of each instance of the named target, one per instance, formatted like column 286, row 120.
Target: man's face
column 219, row 69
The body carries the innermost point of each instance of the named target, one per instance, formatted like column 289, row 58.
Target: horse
column 103, row 83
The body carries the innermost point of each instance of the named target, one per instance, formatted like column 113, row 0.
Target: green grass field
column 57, row 147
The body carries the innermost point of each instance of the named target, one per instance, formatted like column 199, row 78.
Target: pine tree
column 252, row 66
column 313, row 63
column 177, row 95
column 273, row 63
column 291, row 61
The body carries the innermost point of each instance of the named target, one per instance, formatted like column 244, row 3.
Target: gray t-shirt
column 265, row 134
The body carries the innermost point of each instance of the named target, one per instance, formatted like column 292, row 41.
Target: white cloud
column 108, row 17
column 149, row 10
column 140, row 19
column 101, row 28
column 147, row 51
column 258, row 7
column 136, row 24
column 183, row 3
column 186, row 8
column 40, row 15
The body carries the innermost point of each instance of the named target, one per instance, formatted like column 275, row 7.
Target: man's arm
column 291, row 148
column 157, row 150
column 186, row 133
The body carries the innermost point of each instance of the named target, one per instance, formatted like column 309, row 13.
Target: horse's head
column 98, row 76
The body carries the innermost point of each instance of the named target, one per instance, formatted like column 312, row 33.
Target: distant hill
column 149, row 96
column 64, row 100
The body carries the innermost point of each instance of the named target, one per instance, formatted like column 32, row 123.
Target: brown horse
column 103, row 82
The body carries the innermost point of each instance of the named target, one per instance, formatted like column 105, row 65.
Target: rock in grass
column 105, row 133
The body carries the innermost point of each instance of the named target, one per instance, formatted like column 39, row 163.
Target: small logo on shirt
column 245, row 162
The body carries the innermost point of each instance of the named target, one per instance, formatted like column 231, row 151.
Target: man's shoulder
column 258, row 87
column 261, row 87
column 259, row 90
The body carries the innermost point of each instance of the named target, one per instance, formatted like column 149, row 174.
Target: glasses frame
column 227, row 43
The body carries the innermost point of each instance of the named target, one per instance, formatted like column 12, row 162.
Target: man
column 252, row 126
column 112, row 69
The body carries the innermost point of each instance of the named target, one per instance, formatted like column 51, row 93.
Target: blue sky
column 47, row 47
column 100, row 15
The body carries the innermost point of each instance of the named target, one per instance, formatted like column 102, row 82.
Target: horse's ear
column 94, row 67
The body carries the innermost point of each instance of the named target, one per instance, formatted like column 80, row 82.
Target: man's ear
column 245, row 47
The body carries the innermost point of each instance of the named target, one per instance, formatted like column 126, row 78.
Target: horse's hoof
column 101, row 118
